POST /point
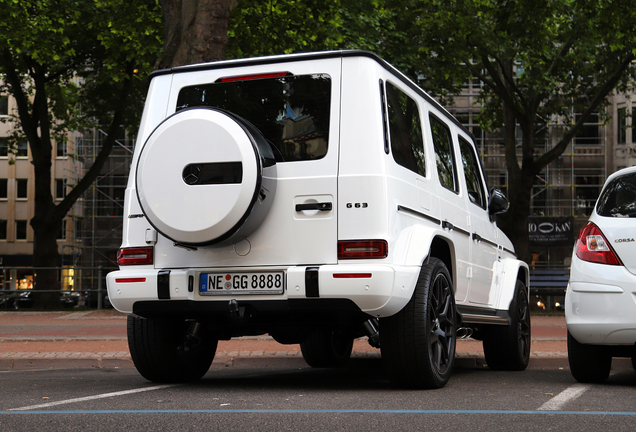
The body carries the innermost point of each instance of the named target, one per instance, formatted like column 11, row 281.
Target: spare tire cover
column 199, row 175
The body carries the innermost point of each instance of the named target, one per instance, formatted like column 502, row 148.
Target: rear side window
column 618, row 199
column 472, row 174
column 444, row 156
column 405, row 130
column 292, row 112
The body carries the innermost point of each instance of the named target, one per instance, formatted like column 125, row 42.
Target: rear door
column 295, row 105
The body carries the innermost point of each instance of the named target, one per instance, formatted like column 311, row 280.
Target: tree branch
column 107, row 145
column 609, row 85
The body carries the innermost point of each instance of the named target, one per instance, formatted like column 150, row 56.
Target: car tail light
column 592, row 246
column 135, row 256
column 130, row 280
column 352, row 275
column 356, row 249
column 254, row 76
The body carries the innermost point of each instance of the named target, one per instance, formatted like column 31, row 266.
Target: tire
column 588, row 363
column 418, row 343
column 196, row 159
column 327, row 348
column 508, row 347
column 160, row 353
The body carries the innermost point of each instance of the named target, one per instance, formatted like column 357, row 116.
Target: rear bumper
column 600, row 304
column 377, row 290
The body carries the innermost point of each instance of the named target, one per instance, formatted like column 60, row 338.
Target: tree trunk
column 195, row 31
column 46, row 259
column 514, row 222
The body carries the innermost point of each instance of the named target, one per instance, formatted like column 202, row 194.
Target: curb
column 121, row 359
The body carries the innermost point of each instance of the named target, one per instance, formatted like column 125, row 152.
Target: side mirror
column 498, row 203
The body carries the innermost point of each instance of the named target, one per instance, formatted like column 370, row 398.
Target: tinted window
column 292, row 112
column 405, row 130
column 618, row 199
column 21, row 186
column 444, row 158
column 472, row 174
column 20, row 230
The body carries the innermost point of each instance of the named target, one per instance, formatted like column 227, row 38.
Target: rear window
column 618, row 199
column 292, row 112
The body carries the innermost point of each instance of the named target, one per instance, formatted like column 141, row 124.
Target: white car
column 316, row 198
column 600, row 309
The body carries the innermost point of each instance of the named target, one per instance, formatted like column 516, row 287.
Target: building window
column 589, row 132
column 3, row 229
column 60, row 188
column 3, row 189
column 4, row 105
column 20, row 230
column 61, row 234
column 23, row 148
column 21, row 188
column 61, row 149
column 621, row 133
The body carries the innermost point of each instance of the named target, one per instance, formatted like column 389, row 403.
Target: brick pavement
column 98, row 339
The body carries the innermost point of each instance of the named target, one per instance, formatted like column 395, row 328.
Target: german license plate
column 242, row 283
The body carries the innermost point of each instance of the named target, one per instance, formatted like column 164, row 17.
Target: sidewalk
column 98, row 339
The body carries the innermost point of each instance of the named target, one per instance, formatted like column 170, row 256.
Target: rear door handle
column 324, row 206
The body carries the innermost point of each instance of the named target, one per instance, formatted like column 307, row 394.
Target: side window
column 472, row 174
column 444, row 157
column 405, row 129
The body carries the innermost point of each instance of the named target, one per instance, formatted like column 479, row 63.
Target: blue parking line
column 322, row 411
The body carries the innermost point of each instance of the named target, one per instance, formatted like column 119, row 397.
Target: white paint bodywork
column 367, row 189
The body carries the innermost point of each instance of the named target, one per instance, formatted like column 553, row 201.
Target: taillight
column 134, row 256
column 592, row 246
column 356, row 249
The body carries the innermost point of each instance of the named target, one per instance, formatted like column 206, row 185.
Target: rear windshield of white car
column 292, row 112
column 618, row 199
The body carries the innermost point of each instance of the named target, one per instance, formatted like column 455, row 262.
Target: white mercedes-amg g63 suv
column 316, row 198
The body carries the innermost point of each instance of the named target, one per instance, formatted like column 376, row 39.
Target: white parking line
column 567, row 395
column 89, row 398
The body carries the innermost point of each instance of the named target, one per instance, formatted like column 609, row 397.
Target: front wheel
column 418, row 343
column 508, row 347
column 588, row 363
column 170, row 350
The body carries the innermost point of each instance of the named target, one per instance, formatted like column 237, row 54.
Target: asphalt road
column 280, row 394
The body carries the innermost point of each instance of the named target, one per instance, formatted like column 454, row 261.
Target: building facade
column 90, row 233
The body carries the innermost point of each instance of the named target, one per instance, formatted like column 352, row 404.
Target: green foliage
column 74, row 51
column 70, row 65
column 281, row 27
column 285, row 26
column 550, row 57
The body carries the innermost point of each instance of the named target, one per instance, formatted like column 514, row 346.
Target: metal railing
column 79, row 286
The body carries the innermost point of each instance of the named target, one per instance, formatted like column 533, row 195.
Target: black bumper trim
column 163, row 285
column 311, row 282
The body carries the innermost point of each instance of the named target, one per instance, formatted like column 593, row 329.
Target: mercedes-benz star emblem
column 191, row 174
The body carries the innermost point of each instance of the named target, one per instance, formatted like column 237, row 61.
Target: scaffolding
column 94, row 226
